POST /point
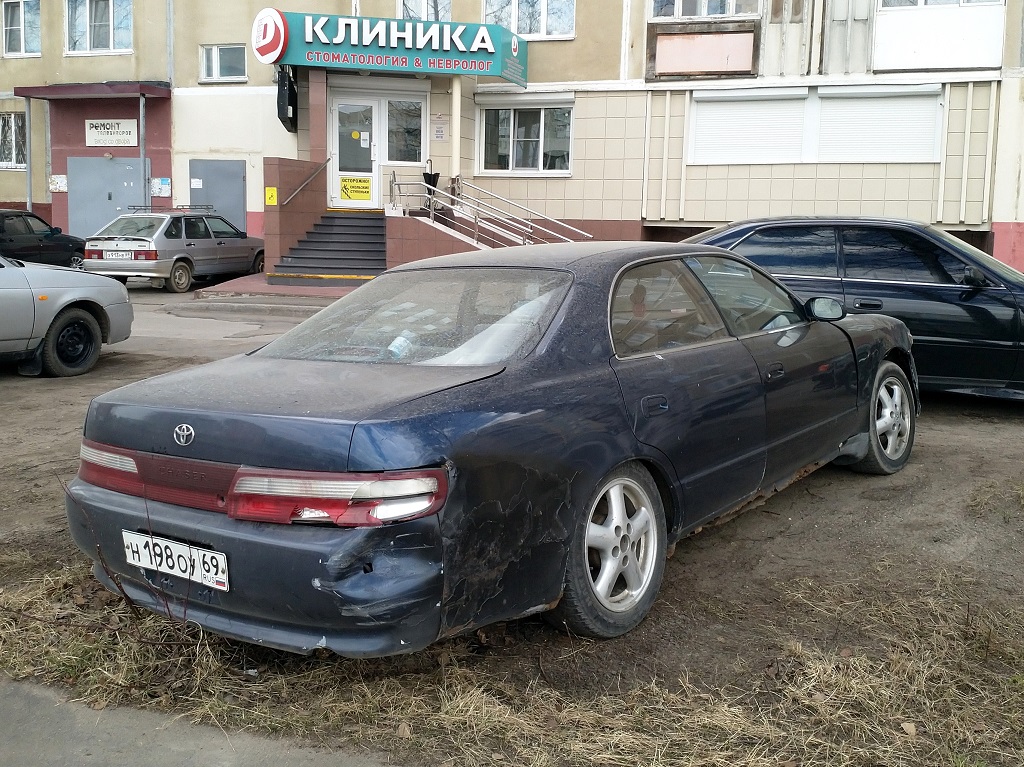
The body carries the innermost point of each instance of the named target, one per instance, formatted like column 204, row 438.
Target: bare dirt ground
column 839, row 568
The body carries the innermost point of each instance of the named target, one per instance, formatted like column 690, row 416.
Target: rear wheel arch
column 673, row 514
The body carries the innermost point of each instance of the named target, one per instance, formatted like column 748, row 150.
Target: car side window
column 656, row 307
column 195, row 228
column 792, row 250
column 173, row 230
column 222, row 228
column 895, row 255
column 749, row 301
column 15, row 225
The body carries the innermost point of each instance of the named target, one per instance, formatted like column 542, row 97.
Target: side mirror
column 825, row 308
column 974, row 277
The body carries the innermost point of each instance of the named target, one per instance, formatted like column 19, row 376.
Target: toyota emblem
column 184, row 434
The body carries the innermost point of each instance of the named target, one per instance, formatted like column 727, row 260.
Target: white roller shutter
column 747, row 132
column 880, row 129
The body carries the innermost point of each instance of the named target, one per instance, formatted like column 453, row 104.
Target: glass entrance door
column 356, row 178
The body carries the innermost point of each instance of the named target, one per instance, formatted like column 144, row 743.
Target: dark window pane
column 894, row 255
column 749, row 301
column 195, row 229
column 232, row 61
column 793, row 250
column 405, row 128
column 497, row 131
column 657, row 307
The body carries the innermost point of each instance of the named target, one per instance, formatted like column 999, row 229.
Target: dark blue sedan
column 479, row 437
column 962, row 306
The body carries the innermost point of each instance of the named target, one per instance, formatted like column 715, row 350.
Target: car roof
column 883, row 220
column 570, row 256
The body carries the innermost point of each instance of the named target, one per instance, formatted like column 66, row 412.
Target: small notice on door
column 355, row 188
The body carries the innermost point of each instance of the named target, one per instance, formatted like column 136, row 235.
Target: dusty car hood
column 264, row 412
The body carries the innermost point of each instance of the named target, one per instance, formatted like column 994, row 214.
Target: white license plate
column 112, row 255
column 200, row 565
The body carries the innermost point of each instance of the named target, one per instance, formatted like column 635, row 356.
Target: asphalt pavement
column 41, row 727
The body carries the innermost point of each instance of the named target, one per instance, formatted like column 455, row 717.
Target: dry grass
column 932, row 679
column 1002, row 499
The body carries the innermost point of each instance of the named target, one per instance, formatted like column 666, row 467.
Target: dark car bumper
column 359, row 592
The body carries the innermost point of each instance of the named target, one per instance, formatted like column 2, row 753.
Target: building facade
column 637, row 119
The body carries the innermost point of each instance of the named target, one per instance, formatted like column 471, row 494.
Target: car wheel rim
column 74, row 344
column 620, row 545
column 180, row 278
column 77, row 262
column 892, row 418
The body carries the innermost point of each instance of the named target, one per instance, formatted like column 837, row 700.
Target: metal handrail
column 530, row 211
column 302, row 186
column 481, row 218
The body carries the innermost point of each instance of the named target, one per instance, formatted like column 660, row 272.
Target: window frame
column 402, row 5
column 924, row 4
column 23, row 53
column 90, row 49
column 386, row 100
column 702, row 12
column 13, row 164
column 210, row 77
column 511, row 170
column 543, row 35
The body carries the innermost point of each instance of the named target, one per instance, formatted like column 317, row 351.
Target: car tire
column 72, row 344
column 892, row 422
column 77, row 260
column 615, row 565
column 257, row 264
column 180, row 278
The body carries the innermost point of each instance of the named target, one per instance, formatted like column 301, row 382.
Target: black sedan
column 479, row 437
column 962, row 306
column 27, row 237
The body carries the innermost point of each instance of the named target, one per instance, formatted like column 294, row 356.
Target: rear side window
column 15, row 225
column 132, row 226
column 793, row 250
column 895, row 255
column 195, row 229
column 173, row 230
column 658, row 307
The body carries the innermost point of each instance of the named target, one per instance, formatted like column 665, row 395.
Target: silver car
column 54, row 319
column 172, row 247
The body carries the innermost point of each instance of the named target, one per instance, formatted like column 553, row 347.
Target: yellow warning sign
column 270, row 195
column 355, row 188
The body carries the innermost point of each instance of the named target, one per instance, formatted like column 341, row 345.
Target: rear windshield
column 432, row 317
column 132, row 226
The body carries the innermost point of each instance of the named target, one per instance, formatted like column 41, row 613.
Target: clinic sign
column 361, row 43
column 111, row 132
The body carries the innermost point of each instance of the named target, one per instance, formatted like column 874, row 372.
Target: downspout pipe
column 28, row 153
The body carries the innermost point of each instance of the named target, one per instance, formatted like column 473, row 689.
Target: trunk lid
column 288, row 414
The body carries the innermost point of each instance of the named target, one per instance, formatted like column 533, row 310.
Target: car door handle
column 867, row 303
column 774, row 371
column 654, row 405
column 190, row 244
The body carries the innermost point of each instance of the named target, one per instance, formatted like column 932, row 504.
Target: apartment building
column 639, row 119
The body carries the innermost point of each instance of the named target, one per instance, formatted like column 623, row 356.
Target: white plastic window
column 533, row 18
column 21, row 27
column 99, row 25
column 427, row 10
column 12, row 140
column 527, row 139
column 223, row 63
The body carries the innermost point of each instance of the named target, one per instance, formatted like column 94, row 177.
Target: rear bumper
column 161, row 268
column 359, row 592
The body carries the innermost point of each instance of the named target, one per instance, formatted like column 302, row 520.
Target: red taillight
column 93, row 253
column 267, row 495
column 348, row 500
column 114, row 470
column 145, row 255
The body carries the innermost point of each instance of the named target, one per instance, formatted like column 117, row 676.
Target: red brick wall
column 411, row 238
column 285, row 224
